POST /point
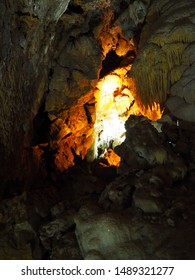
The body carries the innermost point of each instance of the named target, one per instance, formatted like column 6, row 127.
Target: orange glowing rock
column 112, row 158
column 117, row 98
column 154, row 112
column 113, row 101
column 148, row 107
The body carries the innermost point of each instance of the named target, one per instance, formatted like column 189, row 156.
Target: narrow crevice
column 41, row 125
column 123, row 5
column 88, row 115
column 110, row 63
column 75, row 9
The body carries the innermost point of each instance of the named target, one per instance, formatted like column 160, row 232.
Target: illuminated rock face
column 113, row 105
column 52, row 58
column 87, row 111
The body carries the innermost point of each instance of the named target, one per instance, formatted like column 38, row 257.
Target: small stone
column 55, row 229
column 171, row 222
column 155, row 193
column 144, row 201
column 24, row 233
column 65, row 248
column 117, row 194
column 102, row 234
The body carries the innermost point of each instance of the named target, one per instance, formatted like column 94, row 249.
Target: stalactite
column 176, row 73
column 160, row 62
column 174, row 53
column 151, row 78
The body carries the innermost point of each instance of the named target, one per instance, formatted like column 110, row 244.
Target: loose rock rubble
column 146, row 211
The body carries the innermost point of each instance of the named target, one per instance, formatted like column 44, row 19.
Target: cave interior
column 97, row 130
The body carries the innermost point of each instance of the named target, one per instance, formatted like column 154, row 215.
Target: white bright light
column 110, row 84
column 109, row 129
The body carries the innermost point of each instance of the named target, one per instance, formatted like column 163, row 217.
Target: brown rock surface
column 55, row 57
column 165, row 63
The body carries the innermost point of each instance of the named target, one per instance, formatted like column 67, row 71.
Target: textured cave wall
column 51, row 56
column 27, row 30
column 86, row 34
column 164, row 68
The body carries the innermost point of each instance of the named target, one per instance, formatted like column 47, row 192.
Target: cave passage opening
column 111, row 62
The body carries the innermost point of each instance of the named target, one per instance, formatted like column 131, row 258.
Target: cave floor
column 75, row 219
column 145, row 209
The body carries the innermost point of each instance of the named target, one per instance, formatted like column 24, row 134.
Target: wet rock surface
column 146, row 212
column 54, row 204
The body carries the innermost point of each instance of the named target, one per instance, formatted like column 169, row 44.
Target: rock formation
column 164, row 68
column 81, row 82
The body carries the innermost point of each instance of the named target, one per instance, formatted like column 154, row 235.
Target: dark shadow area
column 75, row 9
column 41, row 125
column 110, row 63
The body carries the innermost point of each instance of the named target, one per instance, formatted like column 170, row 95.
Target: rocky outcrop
column 26, row 39
column 147, row 149
column 51, row 58
column 86, row 34
column 128, row 235
column 85, row 216
column 164, row 66
column 146, row 198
